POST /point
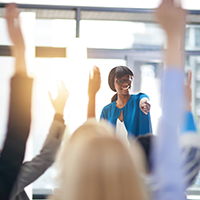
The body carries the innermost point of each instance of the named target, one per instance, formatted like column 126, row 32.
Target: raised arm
column 188, row 91
column 167, row 155
column 33, row 169
column 19, row 110
column 189, row 139
column 93, row 87
column 14, row 30
column 172, row 19
column 60, row 101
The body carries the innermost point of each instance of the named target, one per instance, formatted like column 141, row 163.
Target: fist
column 145, row 105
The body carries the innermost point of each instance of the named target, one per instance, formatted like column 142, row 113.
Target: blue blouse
column 135, row 121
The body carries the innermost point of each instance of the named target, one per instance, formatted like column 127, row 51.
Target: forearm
column 20, row 63
column 17, row 132
column 33, row 169
column 174, row 52
column 168, row 163
column 91, row 107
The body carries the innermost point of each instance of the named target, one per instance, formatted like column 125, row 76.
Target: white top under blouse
column 121, row 132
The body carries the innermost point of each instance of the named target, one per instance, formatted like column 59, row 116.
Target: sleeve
column 167, row 162
column 30, row 171
column 17, row 133
column 103, row 115
column 188, row 124
column 142, row 95
column 190, row 145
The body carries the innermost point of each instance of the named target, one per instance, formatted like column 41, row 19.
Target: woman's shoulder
column 110, row 106
column 139, row 96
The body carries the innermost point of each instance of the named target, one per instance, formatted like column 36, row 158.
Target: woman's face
column 123, row 84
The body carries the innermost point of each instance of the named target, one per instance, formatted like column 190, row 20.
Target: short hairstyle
column 118, row 72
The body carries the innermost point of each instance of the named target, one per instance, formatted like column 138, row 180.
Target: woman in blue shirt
column 128, row 110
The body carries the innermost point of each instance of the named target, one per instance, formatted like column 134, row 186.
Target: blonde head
column 97, row 166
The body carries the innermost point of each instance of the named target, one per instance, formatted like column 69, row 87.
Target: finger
column 95, row 68
column 167, row 3
column 90, row 75
column 12, row 11
column 50, row 96
column 61, row 84
column 15, row 11
column 64, row 88
column 58, row 83
column 9, row 16
column 177, row 3
column 96, row 71
column 189, row 77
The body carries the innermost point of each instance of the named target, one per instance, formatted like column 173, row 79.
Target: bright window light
column 188, row 4
column 151, row 86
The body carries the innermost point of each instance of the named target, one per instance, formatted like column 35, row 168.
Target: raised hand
column 12, row 19
column 93, row 87
column 188, row 90
column 145, row 105
column 60, row 101
column 171, row 17
column 94, row 82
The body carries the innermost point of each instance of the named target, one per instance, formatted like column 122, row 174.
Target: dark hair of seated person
column 146, row 143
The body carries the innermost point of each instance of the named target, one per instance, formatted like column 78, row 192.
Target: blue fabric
column 188, row 124
column 167, row 162
column 136, row 122
column 191, row 164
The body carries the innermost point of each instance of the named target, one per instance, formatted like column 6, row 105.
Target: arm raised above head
column 93, row 87
column 60, row 101
column 19, row 109
column 15, row 33
column 172, row 18
column 167, row 154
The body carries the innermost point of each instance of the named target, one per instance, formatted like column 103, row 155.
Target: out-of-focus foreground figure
column 19, row 120
column 95, row 165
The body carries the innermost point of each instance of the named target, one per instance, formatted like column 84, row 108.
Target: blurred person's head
column 145, row 142
column 97, row 166
column 119, row 80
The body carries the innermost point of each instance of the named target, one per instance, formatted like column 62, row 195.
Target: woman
column 129, row 113
column 94, row 165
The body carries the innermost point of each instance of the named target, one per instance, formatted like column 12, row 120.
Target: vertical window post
column 78, row 17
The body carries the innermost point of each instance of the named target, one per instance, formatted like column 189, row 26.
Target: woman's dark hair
column 117, row 72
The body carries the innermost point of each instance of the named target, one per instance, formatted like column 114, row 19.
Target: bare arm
column 18, row 50
column 168, row 162
column 60, row 101
column 174, row 26
column 19, row 110
column 188, row 91
column 33, row 169
column 93, row 88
